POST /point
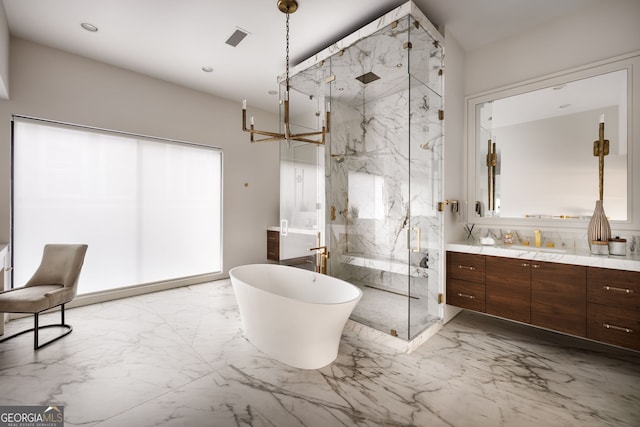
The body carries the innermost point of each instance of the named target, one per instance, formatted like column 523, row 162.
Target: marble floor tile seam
column 154, row 398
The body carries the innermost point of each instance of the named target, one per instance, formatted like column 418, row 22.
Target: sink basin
column 537, row 249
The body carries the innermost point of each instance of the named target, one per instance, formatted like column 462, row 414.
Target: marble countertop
column 294, row 230
column 631, row 262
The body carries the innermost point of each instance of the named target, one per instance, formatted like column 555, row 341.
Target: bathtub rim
column 357, row 298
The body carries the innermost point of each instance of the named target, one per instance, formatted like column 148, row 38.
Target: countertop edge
column 575, row 257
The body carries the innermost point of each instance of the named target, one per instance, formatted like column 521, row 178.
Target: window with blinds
column 150, row 209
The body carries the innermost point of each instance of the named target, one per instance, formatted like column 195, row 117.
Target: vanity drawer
column 613, row 325
column 615, row 288
column 465, row 294
column 463, row 266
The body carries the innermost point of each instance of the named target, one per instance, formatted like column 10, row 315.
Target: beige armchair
column 54, row 284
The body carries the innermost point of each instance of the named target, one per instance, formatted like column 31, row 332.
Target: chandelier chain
column 288, row 7
column 287, row 59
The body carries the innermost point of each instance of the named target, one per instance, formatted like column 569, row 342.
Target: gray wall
column 4, row 55
column 455, row 175
column 454, row 123
column 48, row 83
column 607, row 29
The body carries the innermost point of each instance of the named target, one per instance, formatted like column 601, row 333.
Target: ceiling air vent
column 368, row 78
column 237, row 36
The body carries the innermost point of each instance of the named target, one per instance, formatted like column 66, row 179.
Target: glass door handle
column 418, row 231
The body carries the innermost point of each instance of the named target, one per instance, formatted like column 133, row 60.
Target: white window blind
column 149, row 209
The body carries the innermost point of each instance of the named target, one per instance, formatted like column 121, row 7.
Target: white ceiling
column 173, row 39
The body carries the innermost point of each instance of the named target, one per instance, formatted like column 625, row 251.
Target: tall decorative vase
column 599, row 228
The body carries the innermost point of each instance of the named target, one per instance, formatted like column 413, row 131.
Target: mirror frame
column 629, row 62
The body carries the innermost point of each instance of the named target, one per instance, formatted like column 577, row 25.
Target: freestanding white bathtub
column 293, row 315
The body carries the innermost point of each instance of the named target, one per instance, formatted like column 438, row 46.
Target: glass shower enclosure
column 382, row 167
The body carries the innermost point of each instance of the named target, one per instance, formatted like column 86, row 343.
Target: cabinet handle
column 613, row 288
column 466, row 296
column 535, row 266
column 617, row 328
column 524, row 264
column 465, row 267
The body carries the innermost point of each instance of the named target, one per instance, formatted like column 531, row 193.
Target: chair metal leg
column 35, row 331
column 36, row 328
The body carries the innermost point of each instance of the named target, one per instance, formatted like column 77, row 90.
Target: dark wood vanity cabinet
column 508, row 288
column 613, row 308
column 559, row 297
column 465, row 280
column 545, row 294
column 597, row 303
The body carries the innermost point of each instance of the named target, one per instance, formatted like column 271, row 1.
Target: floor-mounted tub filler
column 293, row 315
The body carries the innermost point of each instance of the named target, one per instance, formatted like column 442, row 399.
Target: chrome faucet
column 324, row 255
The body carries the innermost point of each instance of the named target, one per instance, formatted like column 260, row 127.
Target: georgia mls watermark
column 32, row 416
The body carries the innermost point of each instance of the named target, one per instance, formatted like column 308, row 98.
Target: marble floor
column 385, row 311
column 178, row 358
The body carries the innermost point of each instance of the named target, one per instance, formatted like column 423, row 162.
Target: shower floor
column 385, row 311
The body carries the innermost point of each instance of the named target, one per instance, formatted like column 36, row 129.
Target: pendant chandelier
column 287, row 7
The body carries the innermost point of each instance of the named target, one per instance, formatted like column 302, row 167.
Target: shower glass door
column 425, row 179
column 383, row 169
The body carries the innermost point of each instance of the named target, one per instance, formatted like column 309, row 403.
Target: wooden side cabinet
column 613, row 308
column 508, row 288
column 465, row 280
column 559, row 297
column 273, row 245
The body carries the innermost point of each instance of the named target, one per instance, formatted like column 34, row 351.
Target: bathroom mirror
column 531, row 148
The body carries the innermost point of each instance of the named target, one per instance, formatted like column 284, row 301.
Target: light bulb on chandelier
column 288, row 7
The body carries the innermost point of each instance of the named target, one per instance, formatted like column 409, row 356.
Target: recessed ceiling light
column 207, row 69
column 89, row 27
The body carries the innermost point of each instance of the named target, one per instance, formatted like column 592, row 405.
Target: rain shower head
column 367, row 78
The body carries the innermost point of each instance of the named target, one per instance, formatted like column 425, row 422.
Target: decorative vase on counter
column 599, row 228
